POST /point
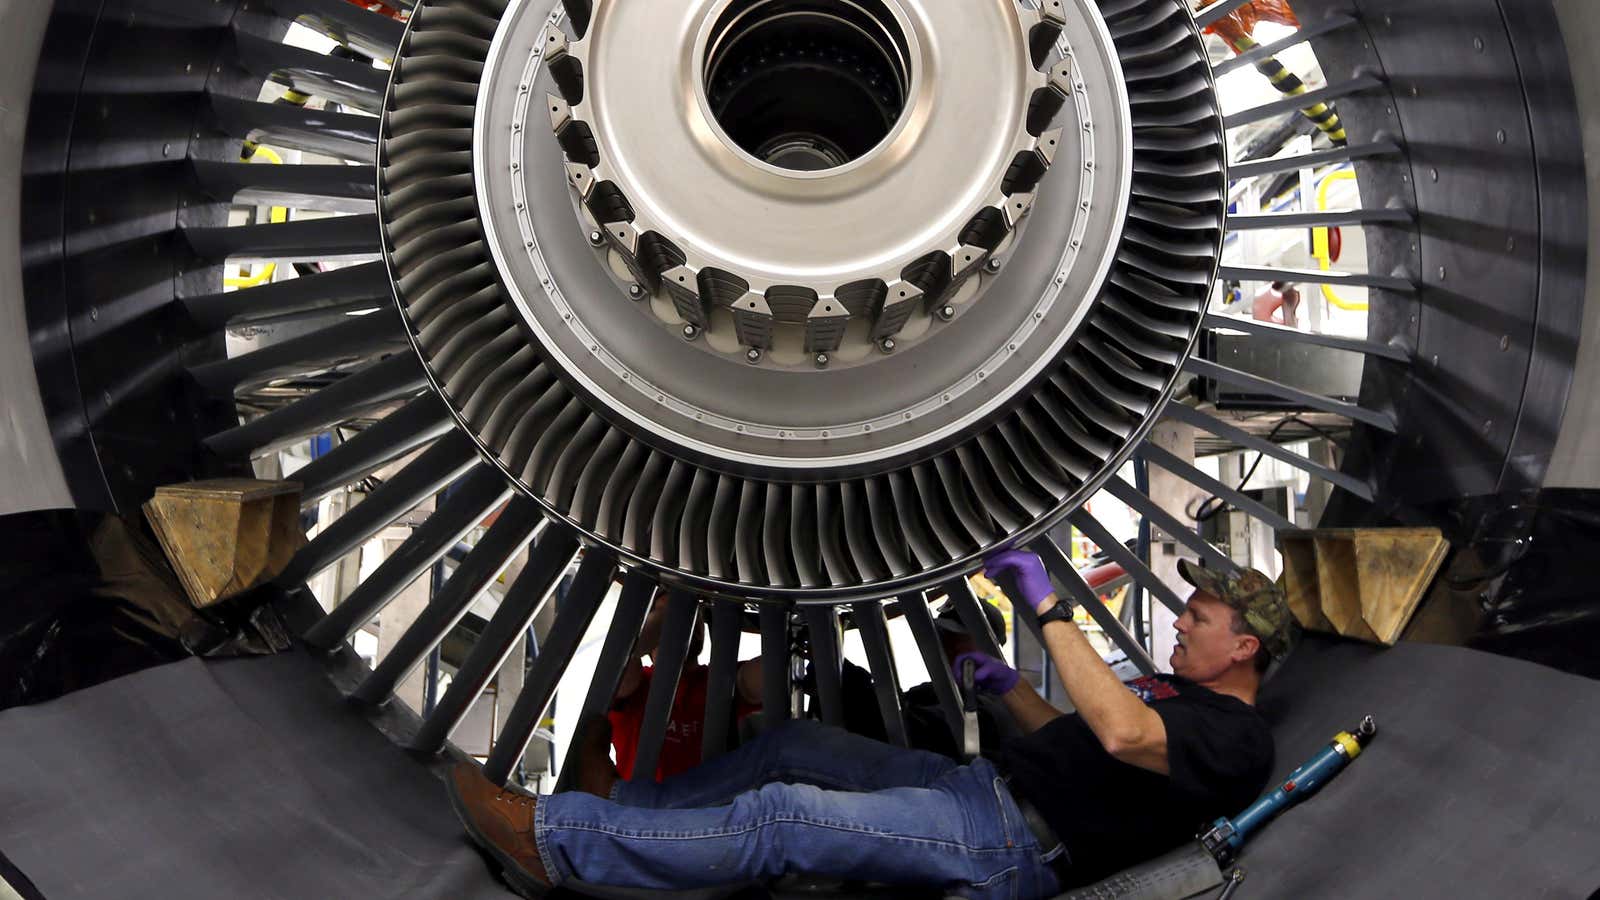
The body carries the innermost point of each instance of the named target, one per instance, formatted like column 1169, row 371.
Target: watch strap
column 1061, row 612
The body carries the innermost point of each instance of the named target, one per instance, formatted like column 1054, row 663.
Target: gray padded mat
column 1482, row 782
column 246, row 778
column 252, row 778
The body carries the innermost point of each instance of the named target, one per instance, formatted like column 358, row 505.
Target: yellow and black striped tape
column 1290, row 85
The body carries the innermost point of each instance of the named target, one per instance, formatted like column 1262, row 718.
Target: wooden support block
column 228, row 535
column 1339, row 586
column 1300, row 584
column 1363, row 583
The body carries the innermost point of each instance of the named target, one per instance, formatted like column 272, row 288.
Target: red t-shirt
column 681, row 749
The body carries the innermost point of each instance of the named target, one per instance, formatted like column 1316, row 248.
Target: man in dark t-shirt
column 1128, row 775
column 1140, row 767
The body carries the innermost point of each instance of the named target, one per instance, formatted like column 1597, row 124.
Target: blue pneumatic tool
column 1227, row 836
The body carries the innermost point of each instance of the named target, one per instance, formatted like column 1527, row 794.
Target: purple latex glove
column 1023, row 569
column 991, row 676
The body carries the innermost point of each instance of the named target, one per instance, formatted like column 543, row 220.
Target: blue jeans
column 803, row 797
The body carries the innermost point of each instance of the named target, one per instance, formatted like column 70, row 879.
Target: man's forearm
column 632, row 677
column 633, row 670
column 749, row 681
column 1030, row 710
column 1126, row 727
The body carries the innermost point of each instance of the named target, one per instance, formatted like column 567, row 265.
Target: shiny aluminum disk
column 972, row 342
column 772, row 469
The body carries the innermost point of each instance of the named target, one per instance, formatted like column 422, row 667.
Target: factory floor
column 253, row 778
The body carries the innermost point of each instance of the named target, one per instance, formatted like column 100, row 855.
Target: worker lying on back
column 680, row 750
column 1126, row 776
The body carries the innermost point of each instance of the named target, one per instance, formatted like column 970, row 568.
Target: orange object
column 1240, row 24
column 380, row 8
column 1102, row 574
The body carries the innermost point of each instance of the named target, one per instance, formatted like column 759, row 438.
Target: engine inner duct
column 779, row 317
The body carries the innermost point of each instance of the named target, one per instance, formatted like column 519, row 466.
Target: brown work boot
column 596, row 774
column 501, row 822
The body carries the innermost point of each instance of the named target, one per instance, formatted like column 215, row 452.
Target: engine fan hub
column 828, row 443
column 817, row 196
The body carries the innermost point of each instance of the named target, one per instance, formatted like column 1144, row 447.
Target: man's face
column 1207, row 642
column 652, row 624
column 657, row 617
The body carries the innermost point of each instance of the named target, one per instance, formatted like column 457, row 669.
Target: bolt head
column 822, row 360
column 596, row 238
column 636, row 291
column 993, row 265
column 947, row 312
column 887, row 345
column 753, row 355
column 690, row 332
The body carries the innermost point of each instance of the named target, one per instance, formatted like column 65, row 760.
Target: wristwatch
column 1061, row 612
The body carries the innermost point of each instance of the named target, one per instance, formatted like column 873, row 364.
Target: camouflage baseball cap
column 1258, row 600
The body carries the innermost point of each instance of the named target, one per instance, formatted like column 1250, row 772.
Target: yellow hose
column 1321, row 245
column 277, row 215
